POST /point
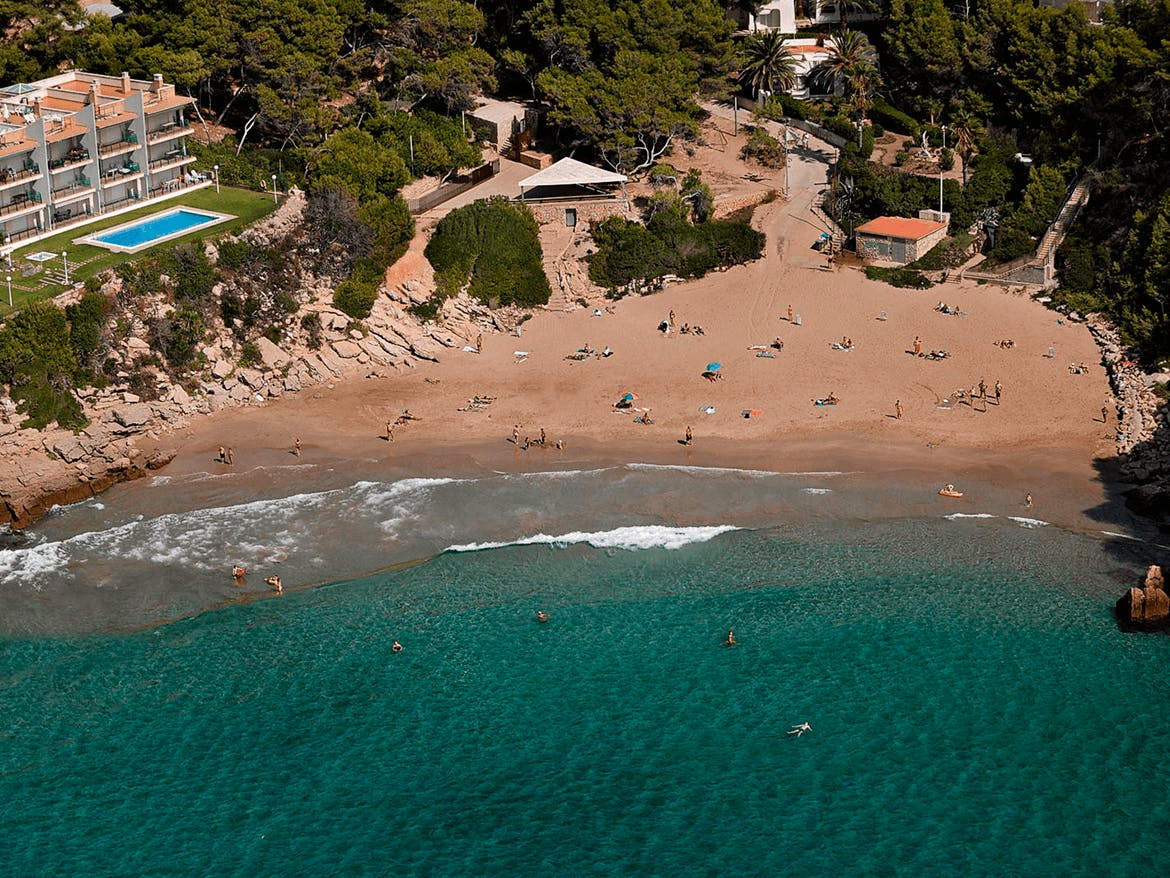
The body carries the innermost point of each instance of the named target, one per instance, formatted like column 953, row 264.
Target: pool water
column 156, row 228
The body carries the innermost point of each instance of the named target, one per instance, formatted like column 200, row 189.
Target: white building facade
column 78, row 145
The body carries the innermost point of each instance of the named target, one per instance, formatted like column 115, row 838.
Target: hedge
column 892, row 118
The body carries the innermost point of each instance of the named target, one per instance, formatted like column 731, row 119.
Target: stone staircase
column 1039, row 268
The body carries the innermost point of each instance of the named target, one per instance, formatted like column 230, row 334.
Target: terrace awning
column 570, row 172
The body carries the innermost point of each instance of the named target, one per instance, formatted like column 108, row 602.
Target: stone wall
column 587, row 211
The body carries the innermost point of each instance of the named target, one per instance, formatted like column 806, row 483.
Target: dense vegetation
column 679, row 238
column 491, row 247
column 314, row 91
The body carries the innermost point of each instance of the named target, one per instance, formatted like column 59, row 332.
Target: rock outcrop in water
column 1146, row 607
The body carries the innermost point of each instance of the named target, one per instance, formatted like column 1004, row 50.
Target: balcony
column 173, row 158
column 169, row 131
column 120, row 175
column 21, row 203
column 10, row 177
column 118, row 147
column 82, row 187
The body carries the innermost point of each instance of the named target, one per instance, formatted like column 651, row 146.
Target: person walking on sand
column 222, row 454
column 982, row 389
column 1027, row 501
column 917, row 345
column 389, row 431
column 297, row 447
column 789, row 313
column 690, row 437
column 479, row 343
column 1104, row 414
column 516, row 435
column 998, row 391
column 898, row 409
column 231, row 456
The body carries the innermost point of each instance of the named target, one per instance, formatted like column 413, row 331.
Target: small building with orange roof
column 900, row 239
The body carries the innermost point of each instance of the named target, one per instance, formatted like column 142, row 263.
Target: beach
column 1046, row 417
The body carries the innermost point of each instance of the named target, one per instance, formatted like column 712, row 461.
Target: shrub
column 867, row 138
column 311, row 324
column 391, row 228
column 86, row 320
column 424, row 311
column 764, row 148
column 492, row 247
column 901, row 157
column 663, row 174
column 235, row 254
column 249, row 354
column 37, row 361
column 899, row 277
column 842, row 127
column 892, row 118
column 946, row 159
column 668, row 244
column 355, row 297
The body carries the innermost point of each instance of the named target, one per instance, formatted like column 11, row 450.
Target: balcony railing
column 175, row 158
column 20, row 204
column 120, row 175
column 11, row 176
column 79, row 186
column 165, row 132
column 119, row 146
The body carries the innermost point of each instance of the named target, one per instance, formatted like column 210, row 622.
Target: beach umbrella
column 714, row 367
column 629, row 397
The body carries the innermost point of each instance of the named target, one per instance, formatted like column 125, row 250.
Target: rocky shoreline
column 1143, row 441
column 127, row 434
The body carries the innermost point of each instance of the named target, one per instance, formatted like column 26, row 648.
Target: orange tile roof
column 20, row 146
column 900, row 227
column 54, row 103
column 169, row 103
column 115, row 119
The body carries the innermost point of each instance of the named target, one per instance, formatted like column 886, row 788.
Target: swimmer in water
column 397, row 647
column 800, row 729
column 730, row 641
column 541, row 616
column 239, row 571
column 275, row 582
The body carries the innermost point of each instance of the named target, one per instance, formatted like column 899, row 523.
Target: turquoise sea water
column 974, row 708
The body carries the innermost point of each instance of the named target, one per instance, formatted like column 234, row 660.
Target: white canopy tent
column 572, row 174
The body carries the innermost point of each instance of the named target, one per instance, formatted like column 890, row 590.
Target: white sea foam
column 724, row 470
column 636, row 537
column 1111, row 533
column 1028, row 522
column 955, row 516
column 818, row 491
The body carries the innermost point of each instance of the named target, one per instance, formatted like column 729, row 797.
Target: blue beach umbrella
column 714, row 367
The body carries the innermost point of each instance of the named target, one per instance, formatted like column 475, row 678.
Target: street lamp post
column 785, row 161
column 9, row 279
column 274, row 193
column 217, row 179
column 65, row 259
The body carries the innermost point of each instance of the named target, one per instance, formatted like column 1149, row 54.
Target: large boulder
column 132, row 415
column 1147, row 607
column 273, row 356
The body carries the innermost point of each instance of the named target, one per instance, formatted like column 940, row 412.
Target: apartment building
column 79, row 145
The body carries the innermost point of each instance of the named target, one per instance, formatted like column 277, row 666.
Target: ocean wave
column 724, row 470
column 1027, row 522
column 651, row 536
column 955, row 516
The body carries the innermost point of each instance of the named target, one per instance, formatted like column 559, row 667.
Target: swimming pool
column 148, row 231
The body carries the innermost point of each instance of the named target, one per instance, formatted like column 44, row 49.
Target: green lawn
column 86, row 261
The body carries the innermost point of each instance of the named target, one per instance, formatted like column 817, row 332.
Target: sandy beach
column 1047, row 417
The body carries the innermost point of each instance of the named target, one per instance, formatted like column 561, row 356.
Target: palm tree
column 770, row 66
column 852, row 66
column 963, row 127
